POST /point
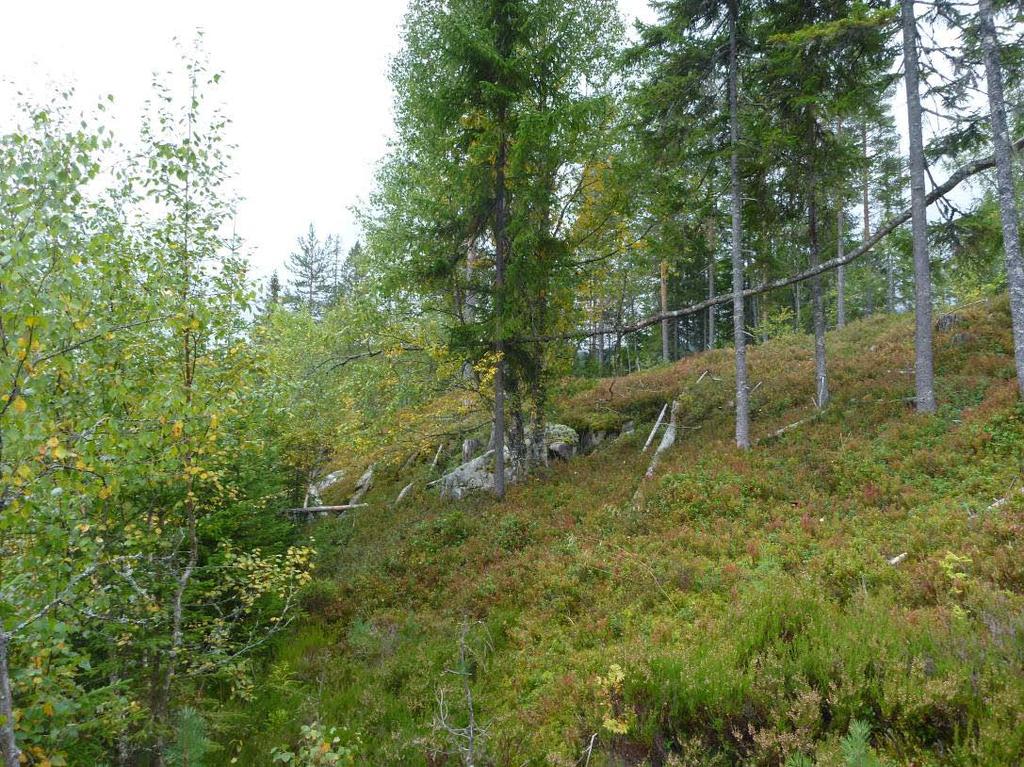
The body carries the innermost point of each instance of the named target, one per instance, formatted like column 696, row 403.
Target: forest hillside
column 848, row 591
column 660, row 406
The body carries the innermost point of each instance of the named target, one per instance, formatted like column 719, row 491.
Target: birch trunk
column 8, row 743
column 738, row 328
column 1004, row 180
column 924, row 373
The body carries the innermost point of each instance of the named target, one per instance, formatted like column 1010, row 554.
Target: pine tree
column 311, row 269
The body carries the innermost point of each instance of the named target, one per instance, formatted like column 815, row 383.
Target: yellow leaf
column 20, row 406
column 48, row 709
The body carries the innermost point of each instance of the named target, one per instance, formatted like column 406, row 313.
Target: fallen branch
column 1000, row 502
column 657, row 423
column 405, row 491
column 668, row 439
column 324, row 509
column 790, row 427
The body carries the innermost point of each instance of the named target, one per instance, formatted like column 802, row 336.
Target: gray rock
column 591, row 439
column 470, row 447
column 559, row 432
column 561, row 450
column 477, row 474
column 362, row 486
column 948, row 322
column 627, row 428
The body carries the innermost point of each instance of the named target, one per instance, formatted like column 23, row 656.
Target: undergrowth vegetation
column 849, row 592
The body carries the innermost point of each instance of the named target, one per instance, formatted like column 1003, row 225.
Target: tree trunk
column 163, row 697
column 665, row 351
column 8, row 743
column 500, row 256
column 840, row 277
column 923, row 358
column 841, row 271
column 817, row 300
column 798, row 319
column 1004, row 181
column 866, row 181
column 738, row 327
column 712, row 250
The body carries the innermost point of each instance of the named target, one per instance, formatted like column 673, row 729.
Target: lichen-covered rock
column 559, row 432
column 477, row 474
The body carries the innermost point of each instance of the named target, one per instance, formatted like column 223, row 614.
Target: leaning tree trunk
column 924, row 372
column 8, row 743
column 1004, row 181
column 738, row 328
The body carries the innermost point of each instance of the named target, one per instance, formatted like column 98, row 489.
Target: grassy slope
column 747, row 598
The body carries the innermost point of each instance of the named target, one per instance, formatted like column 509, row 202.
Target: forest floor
column 853, row 580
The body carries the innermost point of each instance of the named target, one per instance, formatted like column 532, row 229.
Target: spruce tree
column 924, row 372
column 1008, row 210
column 500, row 108
column 695, row 48
column 821, row 63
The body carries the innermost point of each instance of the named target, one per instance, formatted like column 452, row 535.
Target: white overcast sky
column 304, row 83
